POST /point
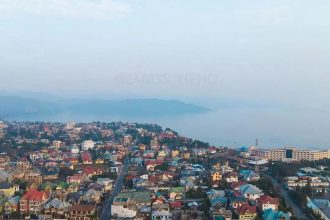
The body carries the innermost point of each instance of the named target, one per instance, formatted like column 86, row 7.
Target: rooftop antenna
column 257, row 142
column 256, row 165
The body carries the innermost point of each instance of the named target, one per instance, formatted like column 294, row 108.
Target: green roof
column 62, row 185
column 219, row 217
column 177, row 189
column 120, row 199
column 139, row 197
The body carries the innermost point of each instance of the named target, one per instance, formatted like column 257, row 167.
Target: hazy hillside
column 17, row 106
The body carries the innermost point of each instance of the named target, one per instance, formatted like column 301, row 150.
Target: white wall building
column 86, row 145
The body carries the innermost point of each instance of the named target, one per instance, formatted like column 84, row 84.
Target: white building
column 161, row 214
column 121, row 208
column 86, row 145
column 250, row 192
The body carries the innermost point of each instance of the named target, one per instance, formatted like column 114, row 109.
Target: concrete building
column 293, row 154
column 86, row 145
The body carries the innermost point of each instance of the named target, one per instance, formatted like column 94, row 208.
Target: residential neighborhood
column 138, row 171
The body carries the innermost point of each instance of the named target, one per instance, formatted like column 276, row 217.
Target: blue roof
column 301, row 174
column 218, row 200
column 270, row 214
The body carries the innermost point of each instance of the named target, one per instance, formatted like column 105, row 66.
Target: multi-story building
column 86, row 145
column 57, row 144
column 23, row 164
column 33, row 201
column 293, row 182
column 126, row 205
column 78, row 212
column 293, row 154
column 127, row 139
column 319, row 155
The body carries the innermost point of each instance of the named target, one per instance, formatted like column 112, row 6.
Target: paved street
column 106, row 210
column 297, row 211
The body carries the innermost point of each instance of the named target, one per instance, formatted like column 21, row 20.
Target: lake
column 233, row 127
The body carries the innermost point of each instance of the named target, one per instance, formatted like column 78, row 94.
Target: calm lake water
column 275, row 127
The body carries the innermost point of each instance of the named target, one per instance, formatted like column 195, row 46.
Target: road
column 297, row 211
column 106, row 210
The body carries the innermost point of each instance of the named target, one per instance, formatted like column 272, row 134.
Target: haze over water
column 274, row 126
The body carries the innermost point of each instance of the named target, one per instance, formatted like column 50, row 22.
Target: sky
column 276, row 51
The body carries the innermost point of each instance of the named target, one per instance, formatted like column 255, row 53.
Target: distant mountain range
column 11, row 106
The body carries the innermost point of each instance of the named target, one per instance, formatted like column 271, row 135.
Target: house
column 56, row 207
column 218, row 201
column 267, row 202
column 92, row 171
column 75, row 198
column 48, row 186
column 51, row 173
column 33, row 176
column 126, row 205
column 215, row 193
column 222, row 214
column 8, row 189
column 86, row 145
column 33, row 201
column 320, row 206
column 151, row 164
column 77, row 178
column 92, row 195
column 175, row 153
column 86, row 157
column 212, row 150
column 3, row 201
column 73, row 160
column 216, row 176
column 247, row 212
column 271, row 214
column 231, row 177
column 12, row 205
column 78, row 212
column 105, row 182
column 249, row 175
column 161, row 215
column 250, row 192
column 123, row 207
column 186, row 155
column 23, row 164
column 237, row 201
column 96, row 186
column 3, row 175
column 161, row 212
column 73, row 187
column 62, row 190
column 226, row 168
column 99, row 160
column 162, row 154
column 167, row 176
column 141, row 198
column 176, row 192
column 176, row 205
column 236, row 185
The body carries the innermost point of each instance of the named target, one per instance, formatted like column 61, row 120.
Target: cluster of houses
column 34, row 185
column 165, row 183
column 308, row 176
column 59, row 180
column 71, row 175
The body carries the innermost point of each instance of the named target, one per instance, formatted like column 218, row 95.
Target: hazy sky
column 269, row 50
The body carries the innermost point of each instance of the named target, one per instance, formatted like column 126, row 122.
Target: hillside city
column 98, row 170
